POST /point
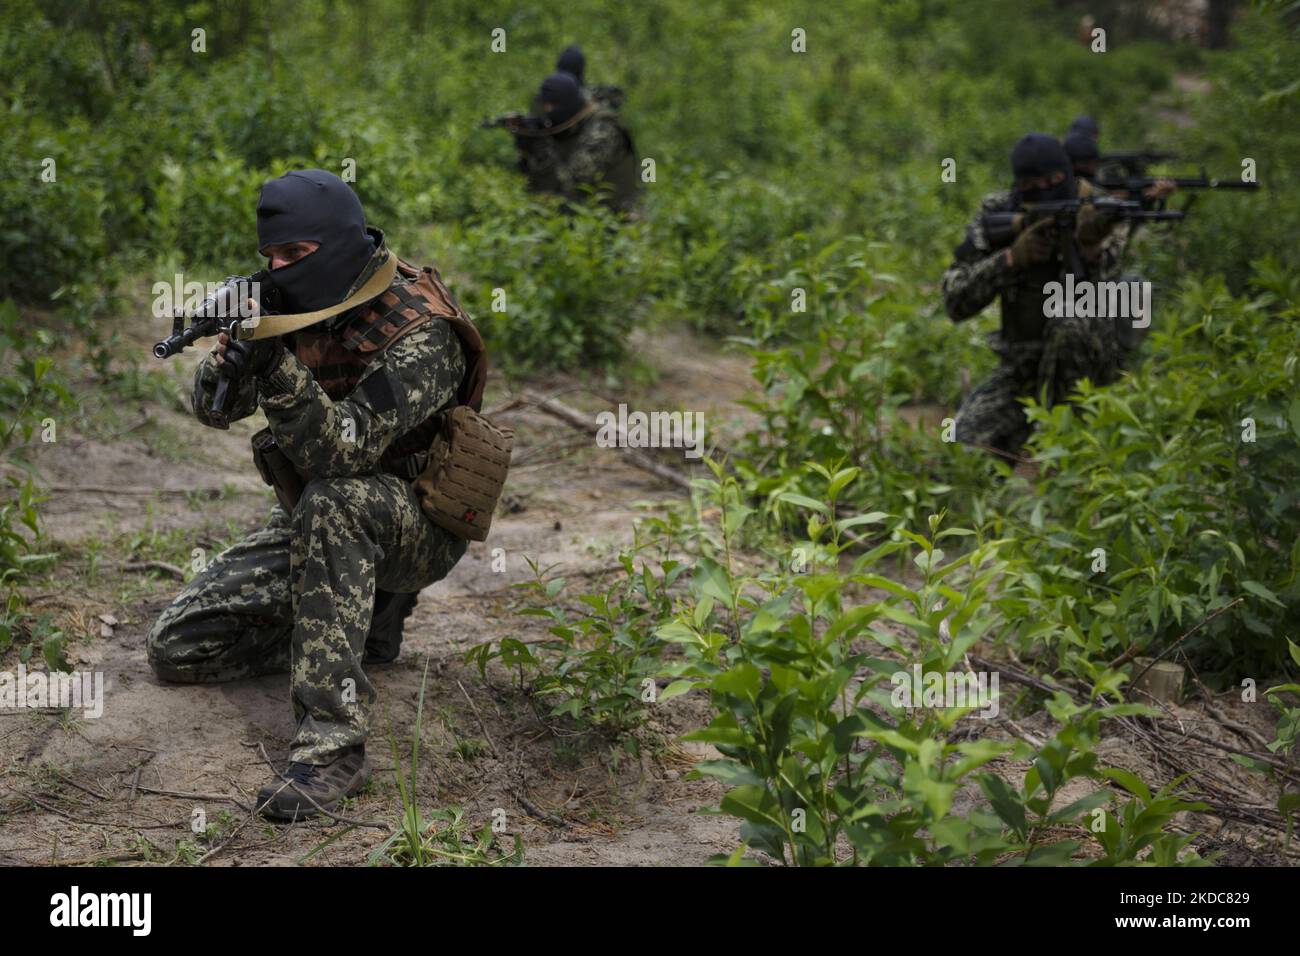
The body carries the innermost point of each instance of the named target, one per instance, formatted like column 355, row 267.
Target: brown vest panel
column 338, row 358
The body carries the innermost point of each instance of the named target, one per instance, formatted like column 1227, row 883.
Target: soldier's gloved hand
column 1032, row 247
column 1092, row 225
column 257, row 358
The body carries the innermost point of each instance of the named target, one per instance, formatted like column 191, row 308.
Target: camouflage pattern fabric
column 992, row 416
column 297, row 595
column 299, row 592
column 596, row 153
column 1040, row 357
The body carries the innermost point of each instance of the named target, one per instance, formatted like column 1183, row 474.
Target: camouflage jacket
column 398, row 391
column 597, row 153
column 979, row 273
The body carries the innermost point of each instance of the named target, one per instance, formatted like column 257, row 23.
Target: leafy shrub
column 600, row 663
column 1185, row 473
column 823, row 764
column 573, row 286
column 29, row 396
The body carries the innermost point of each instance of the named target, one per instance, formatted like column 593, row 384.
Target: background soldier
column 1040, row 357
column 577, row 143
column 352, row 402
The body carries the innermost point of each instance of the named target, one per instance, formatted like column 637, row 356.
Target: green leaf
column 1006, row 803
column 676, row 689
column 755, row 804
column 710, row 578
column 1288, row 803
column 1085, row 804
column 840, row 480
column 52, row 650
column 1257, row 589
column 730, row 772
column 1129, row 781
column 1053, row 854
column 677, row 633
column 874, row 517
column 1250, row 763
column 803, row 501
column 743, row 680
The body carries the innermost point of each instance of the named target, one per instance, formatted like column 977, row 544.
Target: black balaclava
column 1037, row 154
column 572, row 61
column 1087, row 125
column 561, row 90
column 1081, row 148
column 312, row 204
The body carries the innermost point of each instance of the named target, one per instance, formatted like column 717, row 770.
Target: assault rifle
column 1001, row 228
column 221, row 311
column 520, row 124
column 1138, row 186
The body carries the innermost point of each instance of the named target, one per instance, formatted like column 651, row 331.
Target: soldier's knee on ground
column 162, row 647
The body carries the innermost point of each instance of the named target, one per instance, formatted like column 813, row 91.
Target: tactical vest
column 1022, row 300
column 337, row 357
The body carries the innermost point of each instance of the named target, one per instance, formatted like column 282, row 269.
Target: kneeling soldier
column 353, row 403
column 1040, row 357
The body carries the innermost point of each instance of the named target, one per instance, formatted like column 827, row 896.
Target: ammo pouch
column 277, row 470
column 462, row 481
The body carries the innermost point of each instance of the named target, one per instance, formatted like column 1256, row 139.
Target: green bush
column 823, row 765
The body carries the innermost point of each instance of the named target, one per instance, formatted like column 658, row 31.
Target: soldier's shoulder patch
column 378, row 392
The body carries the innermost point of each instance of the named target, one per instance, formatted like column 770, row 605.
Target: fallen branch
column 194, row 796
column 536, row 811
column 163, row 566
column 585, row 423
column 121, row 490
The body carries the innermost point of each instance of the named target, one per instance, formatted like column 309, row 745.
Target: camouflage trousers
column 297, row 595
column 992, row 415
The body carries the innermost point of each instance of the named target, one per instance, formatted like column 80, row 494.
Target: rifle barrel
column 1139, row 183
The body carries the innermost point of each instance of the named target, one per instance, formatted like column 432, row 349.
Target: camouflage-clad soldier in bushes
column 580, row 144
column 1039, row 357
column 352, row 402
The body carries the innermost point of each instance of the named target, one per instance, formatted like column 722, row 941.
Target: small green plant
column 442, row 837
column 598, row 666
column 446, row 839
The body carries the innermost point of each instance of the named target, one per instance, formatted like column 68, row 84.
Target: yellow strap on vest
column 587, row 109
column 265, row 326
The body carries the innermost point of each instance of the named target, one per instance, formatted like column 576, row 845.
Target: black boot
column 385, row 638
column 326, row 785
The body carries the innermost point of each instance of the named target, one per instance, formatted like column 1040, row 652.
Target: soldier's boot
column 384, row 641
column 307, row 788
